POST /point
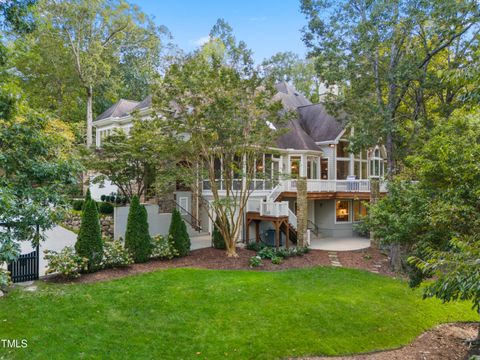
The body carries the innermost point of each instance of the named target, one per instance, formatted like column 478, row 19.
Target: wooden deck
column 277, row 222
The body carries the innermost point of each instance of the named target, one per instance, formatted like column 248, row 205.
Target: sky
column 267, row 26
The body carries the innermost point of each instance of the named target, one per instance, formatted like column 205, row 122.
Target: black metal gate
column 26, row 267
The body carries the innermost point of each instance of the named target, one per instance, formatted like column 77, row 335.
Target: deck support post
column 257, row 231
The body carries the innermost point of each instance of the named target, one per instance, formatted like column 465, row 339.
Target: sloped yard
column 210, row 314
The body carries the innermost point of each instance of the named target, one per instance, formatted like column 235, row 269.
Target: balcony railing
column 332, row 186
column 268, row 208
column 313, row 185
column 255, row 184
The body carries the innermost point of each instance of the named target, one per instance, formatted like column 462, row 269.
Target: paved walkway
column 340, row 244
column 200, row 241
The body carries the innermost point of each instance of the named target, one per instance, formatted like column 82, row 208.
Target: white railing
column 268, row 208
column 254, row 205
column 333, row 186
column 275, row 209
column 275, row 193
column 292, row 219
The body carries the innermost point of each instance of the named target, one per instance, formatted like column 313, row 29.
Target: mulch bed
column 445, row 342
column 210, row 258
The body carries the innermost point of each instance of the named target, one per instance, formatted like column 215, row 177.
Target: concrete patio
column 340, row 243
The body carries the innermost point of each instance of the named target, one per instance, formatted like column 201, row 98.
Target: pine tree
column 179, row 234
column 89, row 241
column 217, row 238
column 137, row 236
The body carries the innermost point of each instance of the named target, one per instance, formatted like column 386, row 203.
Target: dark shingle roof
column 296, row 138
column 119, row 109
column 316, row 122
column 144, row 104
column 291, row 99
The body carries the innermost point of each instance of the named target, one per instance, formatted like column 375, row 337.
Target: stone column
column 302, row 211
column 374, row 196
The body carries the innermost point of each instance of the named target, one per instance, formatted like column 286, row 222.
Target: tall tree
column 98, row 36
column 378, row 51
column 289, row 67
column 217, row 98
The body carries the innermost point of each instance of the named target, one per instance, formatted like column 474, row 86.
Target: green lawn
column 197, row 314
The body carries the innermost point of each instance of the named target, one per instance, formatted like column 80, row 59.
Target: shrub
column 4, row 279
column 103, row 197
column 115, row 255
column 255, row 246
column 217, row 238
column 267, row 253
column 66, row 262
column 179, row 234
column 105, row 208
column 255, row 261
column 89, row 241
column 163, row 247
column 137, row 237
column 277, row 260
column 77, row 205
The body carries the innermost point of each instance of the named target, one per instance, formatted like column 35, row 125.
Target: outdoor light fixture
column 332, row 145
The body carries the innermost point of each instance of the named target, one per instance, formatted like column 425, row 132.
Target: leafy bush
column 270, row 253
column 77, row 205
column 255, row 261
column 267, row 253
column 103, row 197
column 137, row 237
column 255, row 246
column 217, row 237
column 179, row 234
column 115, row 255
column 163, row 247
column 89, row 241
column 105, row 208
column 277, row 260
column 66, row 262
column 4, row 278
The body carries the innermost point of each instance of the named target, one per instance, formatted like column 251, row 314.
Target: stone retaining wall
column 106, row 222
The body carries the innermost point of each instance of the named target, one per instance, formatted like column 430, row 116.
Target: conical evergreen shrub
column 179, row 234
column 137, row 236
column 89, row 241
column 217, row 238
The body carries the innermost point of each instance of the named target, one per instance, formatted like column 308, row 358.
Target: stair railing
column 312, row 227
column 186, row 215
column 292, row 219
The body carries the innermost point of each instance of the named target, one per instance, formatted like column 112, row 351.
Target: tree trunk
column 396, row 257
column 231, row 250
column 89, row 116
column 390, row 160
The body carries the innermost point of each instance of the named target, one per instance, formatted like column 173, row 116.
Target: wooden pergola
column 277, row 223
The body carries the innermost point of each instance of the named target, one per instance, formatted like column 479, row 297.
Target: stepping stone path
column 332, row 255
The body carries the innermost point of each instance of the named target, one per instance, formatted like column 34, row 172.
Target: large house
column 315, row 147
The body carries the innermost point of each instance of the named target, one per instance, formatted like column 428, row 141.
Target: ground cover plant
column 187, row 313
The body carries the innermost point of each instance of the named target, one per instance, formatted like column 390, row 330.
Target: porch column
column 302, row 211
column 303, row 165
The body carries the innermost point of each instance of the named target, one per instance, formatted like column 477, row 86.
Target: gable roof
column 291, row 99
column 121, row 108
column 320, row 125
column 144, row 104
column 296, row 138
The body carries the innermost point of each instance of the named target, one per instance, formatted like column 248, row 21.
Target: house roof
column 291, row 99
column 121, row 108
column 313, row 125
column 320, row 125
column 296, row 138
